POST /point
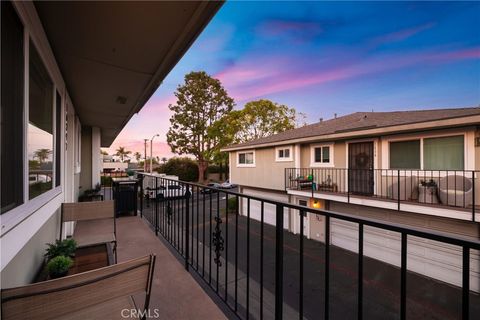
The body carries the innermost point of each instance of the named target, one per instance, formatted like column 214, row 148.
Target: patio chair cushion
column 95, row 294
column 85, row 240
column 456, row 190
column 109, row 310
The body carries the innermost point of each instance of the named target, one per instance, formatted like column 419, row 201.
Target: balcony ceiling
column 114, row 55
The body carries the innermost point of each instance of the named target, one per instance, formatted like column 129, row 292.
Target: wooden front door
column 360, row 164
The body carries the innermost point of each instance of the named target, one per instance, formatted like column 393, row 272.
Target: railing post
column 187, row 226
column 348, row 184
column 156, row 206
column 311, row 173
column 141, row 195
column 279, row 264
column 398, row 189
column 474, row 196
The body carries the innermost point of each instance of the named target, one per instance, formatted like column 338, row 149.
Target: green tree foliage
column 185, row 168
column 259, row 119
column 42, row 154
column 122, row 153
column 137, row 156
column 201, row 102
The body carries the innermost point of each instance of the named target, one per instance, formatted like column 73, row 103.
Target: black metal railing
column 262, row 271
column 448, row 188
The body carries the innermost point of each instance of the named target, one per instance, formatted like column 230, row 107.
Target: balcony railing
column 261, row 271
column 456, row 189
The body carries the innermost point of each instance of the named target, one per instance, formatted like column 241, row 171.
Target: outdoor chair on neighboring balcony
column 99, row 211
column 111, row 292
column 406, row 188
column 456, row 191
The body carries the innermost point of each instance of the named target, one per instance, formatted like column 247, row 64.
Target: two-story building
column 416, row 168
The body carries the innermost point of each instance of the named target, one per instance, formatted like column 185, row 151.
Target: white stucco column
column 96, row 156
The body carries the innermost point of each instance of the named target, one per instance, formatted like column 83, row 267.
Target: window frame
column 15, row 216
column 328, row 164
column 245, row 165
column 428, row 136
column 283, row 159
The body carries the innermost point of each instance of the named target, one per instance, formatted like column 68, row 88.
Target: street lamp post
column 151, row 154
column 145, row 153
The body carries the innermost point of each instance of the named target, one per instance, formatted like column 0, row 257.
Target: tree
column 103, row 153
column 185, row 168
column 42, row 154
column 201, row 102
column 259, row 119
column 122, row 153
column 137, row 156
column 164, row 160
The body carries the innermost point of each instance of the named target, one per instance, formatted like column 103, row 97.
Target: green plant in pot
column 130, row 174
column 58, row 266
column 65, row 248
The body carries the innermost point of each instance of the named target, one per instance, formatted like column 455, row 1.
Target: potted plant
column 58, row 266
column 130, row 174
column 65, row 248
column 427, row 191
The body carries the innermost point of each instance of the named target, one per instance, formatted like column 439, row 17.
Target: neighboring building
column 115, row 166
column 72, row 76
column 411, row 167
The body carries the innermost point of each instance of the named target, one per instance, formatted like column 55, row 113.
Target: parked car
column 211, row 185
column 167, row 191
column 227, row 185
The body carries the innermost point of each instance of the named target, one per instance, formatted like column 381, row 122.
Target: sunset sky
column 329, row 57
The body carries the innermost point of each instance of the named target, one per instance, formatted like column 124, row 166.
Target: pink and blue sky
column 328, row 57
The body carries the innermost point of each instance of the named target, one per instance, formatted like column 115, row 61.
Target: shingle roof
column 362, row 121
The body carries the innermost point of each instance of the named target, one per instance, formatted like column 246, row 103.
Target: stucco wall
column 23, row 268
column 86, row 156
column 267, row 173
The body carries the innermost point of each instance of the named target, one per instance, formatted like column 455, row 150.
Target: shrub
column 58, row 266
column 232, row 204
column 65, row 248
column 106, row 180
column 185, row 168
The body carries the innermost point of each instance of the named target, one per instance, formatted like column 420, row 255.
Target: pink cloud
column 287, row 27
column 160, row 148
column 285, row 76
column 402, row 34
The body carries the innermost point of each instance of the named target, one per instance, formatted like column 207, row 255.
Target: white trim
column 284, row 159
column 245, row 165
column 298, row 156
column 329, row 164
column 407, row 207
column 78, row 146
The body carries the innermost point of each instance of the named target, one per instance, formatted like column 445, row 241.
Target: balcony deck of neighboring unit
column 445, row 193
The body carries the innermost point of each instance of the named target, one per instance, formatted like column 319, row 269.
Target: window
column 40, row 126
column 405, row 154
column 445, row 153
column 321, row 155
column 246, row 159
column 283, row 154
column 12, row 111
column 58, row 140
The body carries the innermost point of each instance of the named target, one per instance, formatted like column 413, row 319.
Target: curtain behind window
column 405, row 154
column 446, row 153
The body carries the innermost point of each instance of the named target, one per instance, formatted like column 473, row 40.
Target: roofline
column 433, row 124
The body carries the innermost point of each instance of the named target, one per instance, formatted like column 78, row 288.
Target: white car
column 227, row 185
column 167, row 191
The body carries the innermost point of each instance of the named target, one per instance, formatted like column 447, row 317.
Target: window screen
column 405, row 154
column 40, row 126
column 445, row 153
